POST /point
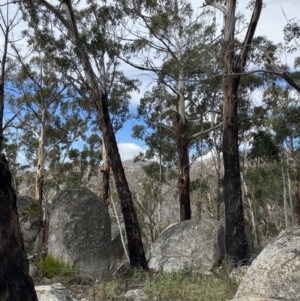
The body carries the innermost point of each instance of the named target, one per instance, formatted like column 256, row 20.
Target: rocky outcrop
column 79, row 231
column 192, row 244
column 54, row 292
column 275, row 273
column 30, row 218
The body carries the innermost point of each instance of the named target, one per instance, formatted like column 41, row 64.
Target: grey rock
column 238, row 273
column 135, row 295
column 192, row 244
column 79, row 231
column 54, row 292
column 275, row 273
column 30, row 218
column 32, row 270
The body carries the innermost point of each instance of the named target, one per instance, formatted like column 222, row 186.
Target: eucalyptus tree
column 170, row 40
column 82, row 43
column 233, row 65
column 42, row 101
column 47, row 118
column 15, row 282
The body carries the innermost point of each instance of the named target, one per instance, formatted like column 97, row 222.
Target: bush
column 53, row 268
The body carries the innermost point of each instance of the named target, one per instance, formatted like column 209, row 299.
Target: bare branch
column 162, row 126
column 197, row 135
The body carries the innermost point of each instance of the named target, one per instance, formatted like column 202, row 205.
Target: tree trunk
column 297, row 197
column 15, row 282
column 2, row 82
column 184, row 175
column 134, row 238
column 291, row 199
column 236, row 243
column 39, row 181
column 105, row 170
column 1, row 110
column 237, row 248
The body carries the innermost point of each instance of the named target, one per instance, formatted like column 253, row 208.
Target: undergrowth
column 52, row 268
column 177, row 286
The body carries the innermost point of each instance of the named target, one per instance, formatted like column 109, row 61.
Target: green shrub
column 52, row 268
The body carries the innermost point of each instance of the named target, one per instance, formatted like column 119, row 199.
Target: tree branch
column 249, row 36
column 162, row 126
column 193, row 137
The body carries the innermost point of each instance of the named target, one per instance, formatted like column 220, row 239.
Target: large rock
column 54, row 292
column 30, row 218
column 192, row 244
column 79, row 231
column 275, row 273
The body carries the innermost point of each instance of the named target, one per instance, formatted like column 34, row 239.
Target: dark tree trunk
column 105, row 185
column 297, row 197
column 15, row 282
column 184, row 175
column 237, row 248
column 1, row 112
column 135, row 246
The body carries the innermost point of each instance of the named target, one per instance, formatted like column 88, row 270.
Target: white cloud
column 129, row 150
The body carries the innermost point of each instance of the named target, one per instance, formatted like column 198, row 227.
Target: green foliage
column 263, row 148
column 78, row 169
column 52, row 268
column 292, row 33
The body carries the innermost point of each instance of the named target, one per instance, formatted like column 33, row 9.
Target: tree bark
column 1, row 111
column 297, row 197
column 184, row 174
column 15, row 282
column 39, row 182
column 237, row 248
